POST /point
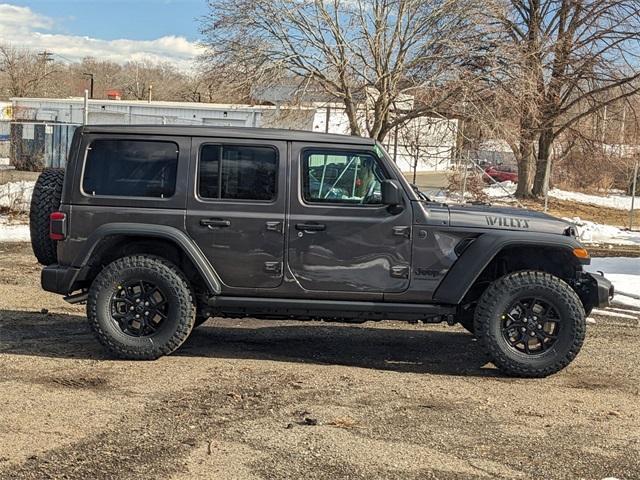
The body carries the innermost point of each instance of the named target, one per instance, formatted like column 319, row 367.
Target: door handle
column 215, row 223
column 311, row 227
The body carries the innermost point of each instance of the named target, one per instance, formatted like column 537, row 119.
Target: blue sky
column 117, row 30
column 114, row 19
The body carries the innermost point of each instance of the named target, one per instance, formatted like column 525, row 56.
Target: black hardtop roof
column 229, row 132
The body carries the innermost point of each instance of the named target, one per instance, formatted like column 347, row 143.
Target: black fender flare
column 174, row 235
column 477, row 256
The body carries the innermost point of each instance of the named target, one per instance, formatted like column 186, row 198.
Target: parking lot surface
column 248, row 399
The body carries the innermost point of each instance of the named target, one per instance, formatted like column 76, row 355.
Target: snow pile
column 16, row 196
column 596, row 233
column 13, row 231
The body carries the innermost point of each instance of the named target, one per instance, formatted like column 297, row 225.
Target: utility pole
column 46, row 57
column 90, row 75
column 150, row 92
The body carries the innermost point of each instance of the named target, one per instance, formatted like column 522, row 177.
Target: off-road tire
column 45, row 200
column 180, row 317
column 497, row 298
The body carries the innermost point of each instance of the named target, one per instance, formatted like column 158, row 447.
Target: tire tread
column 47, row 194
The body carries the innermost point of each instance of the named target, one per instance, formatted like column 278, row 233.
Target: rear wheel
column 141, row 307
column 45, row 200
column 532, row 324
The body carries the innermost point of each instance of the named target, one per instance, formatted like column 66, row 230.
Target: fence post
column 85, row 119
column 633, row 194
column 464, row 179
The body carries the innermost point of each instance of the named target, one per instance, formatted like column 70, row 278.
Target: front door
column 341, row 237
column 236, row 211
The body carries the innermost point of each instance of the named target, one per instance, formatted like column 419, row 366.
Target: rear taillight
column 57, row 226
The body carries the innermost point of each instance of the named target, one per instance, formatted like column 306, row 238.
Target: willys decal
column 507, row 222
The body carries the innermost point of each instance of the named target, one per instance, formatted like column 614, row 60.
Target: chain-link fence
column 35, row 145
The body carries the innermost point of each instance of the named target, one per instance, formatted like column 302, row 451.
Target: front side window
column 341, row 177
column 237, row 172
column 131, row 168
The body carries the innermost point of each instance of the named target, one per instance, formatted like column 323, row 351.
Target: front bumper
column 60, row 279
column 602, row 291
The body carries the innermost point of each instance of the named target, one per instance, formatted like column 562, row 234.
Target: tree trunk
column 352, row 116
column 526, row 157
column 526, row 168
column 542, row 171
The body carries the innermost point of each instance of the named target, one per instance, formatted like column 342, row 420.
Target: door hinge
column 274, row 227
column 273, row 267
column 402, row 231
column 400, row 271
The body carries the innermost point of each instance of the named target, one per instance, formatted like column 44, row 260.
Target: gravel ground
column 285, row 400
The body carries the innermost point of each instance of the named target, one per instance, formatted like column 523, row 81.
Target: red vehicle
column 501, row 173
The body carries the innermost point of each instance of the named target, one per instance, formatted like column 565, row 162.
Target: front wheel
column 141, row 307
column 532, row 324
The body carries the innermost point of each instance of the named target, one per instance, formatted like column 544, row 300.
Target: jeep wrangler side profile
column 158, row 228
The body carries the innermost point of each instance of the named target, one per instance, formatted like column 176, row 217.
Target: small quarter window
column 131, row 168
column 237, row 172
column 341, row 177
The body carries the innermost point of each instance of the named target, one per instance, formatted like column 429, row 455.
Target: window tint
column 131, row 168
column 350, row 178
column 237, row 172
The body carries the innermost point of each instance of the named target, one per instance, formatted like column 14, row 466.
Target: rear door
column 236, row 209
column 341, row 237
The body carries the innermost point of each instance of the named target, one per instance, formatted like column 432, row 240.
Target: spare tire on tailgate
column 47, row 194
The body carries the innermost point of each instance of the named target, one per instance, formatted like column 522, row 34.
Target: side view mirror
column 391, row 193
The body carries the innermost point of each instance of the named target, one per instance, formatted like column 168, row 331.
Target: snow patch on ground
column 618, row 202
column 595, row 233
column 13, row 230
column 16, row 196
column 504, row 190
column 624, row 273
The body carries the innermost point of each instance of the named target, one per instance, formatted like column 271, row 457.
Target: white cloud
column 22, row 27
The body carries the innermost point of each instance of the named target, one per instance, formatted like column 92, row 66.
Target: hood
column 505, row 218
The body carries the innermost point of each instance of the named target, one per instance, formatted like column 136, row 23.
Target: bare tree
column 566, row 59
column 374, row 56
column 25, row 72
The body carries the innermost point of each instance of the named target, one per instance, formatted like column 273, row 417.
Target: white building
column 431, row 140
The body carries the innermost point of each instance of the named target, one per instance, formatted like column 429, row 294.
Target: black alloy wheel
column 139, row 308
column 531, row 325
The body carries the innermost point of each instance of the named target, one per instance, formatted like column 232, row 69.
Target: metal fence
column 36, row 145
column 5, row 144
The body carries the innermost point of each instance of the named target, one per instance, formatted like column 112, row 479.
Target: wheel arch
column 489, row 257
column 112, row 241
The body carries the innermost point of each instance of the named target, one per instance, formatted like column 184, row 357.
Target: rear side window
column 131, row 168
column 238, row 172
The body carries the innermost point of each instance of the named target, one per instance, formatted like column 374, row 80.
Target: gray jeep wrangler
column 158, row 228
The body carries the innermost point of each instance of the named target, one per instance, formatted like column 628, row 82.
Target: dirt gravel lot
column 285, row 400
